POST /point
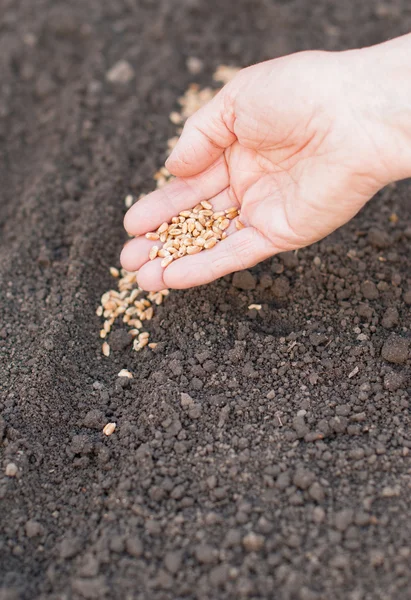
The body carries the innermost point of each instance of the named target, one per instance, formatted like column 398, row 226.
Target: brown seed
column 149, row 313
column 207, row 235
column 197, row 208
column 200, row 241
column 114, row 272
column 206, row 213
column 163, row 238
column 103, row 333
column 210, row 243
column 163, row 253
column 153, row 345
column 153, row 253
column 175, row 220
column 225, row 223
column 109, row 429
column 185, row 213
column 193, row 249
column 125, row 373
column 182, row 252
column 106, row 349
column 206, row 204
column 166, row 261
column 152, row 236
column 163, row 227
column 199, row 227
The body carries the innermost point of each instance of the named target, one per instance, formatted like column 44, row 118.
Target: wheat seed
column 109, row 429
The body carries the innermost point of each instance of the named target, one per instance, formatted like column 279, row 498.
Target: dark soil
column 261, row 455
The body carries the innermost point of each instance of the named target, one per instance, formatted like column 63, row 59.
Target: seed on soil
column 109, row 429
column 128, row 201
column 254, row 306
column 125, row 373
column 11, row 470
column 114, row 272
column 106, row 349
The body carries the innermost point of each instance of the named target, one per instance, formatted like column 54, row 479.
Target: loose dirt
column 257, row 452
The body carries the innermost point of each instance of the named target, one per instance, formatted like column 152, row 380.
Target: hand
column 297, row 143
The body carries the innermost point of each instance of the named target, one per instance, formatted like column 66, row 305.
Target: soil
column 258, row 453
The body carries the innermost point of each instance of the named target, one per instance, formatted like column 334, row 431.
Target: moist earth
column 259, row 454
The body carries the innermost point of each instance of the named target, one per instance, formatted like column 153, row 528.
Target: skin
column 299, row 143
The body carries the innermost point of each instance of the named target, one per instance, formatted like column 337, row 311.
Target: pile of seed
column 130, row 304
column 192, row 231
column 189, row 232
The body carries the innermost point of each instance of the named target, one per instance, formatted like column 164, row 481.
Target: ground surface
column 287, row 476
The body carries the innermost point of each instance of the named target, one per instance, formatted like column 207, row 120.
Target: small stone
column 11, row 470
column 205, row 554
column 173, row 560
column 253, row 542
column 303, row 478
column 343, row 519
column 300, row 427
column 395, row 349
column 379, row 239
column 122, row 72
column 186, row 400
column 69, row 547
column 390, row 318
column 369, row 290
column 94, row 588
column 134, row 546
column 316, row 492
column 244, row 280
column 394, row 381
column 33, row 528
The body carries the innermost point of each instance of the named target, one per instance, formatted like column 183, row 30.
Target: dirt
column 258, row 453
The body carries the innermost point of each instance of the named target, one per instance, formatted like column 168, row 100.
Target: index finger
column 181, row 193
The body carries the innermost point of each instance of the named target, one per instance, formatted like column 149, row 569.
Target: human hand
column 299, row 144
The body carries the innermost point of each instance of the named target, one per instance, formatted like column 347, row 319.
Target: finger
column 238, row 251
column 151, row 276
column 136, row 252
column 159, row 206
column 205, row 137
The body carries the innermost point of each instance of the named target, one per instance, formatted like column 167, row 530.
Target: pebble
column 33, row 528
column 253, row 542
column 316, row 492
column 94, row 419
column 122, row 72
column 134, row 546
column 173, row 561
column 395, row 349
column 379, row 239
column 205, row 554
column 394, row 381
column 303, row 478
column 194, row 65
column 244, row 280
column 343, row 519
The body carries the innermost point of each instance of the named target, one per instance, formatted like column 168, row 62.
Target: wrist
column 385, row 88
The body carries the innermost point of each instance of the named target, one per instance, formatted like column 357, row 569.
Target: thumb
column 205, row 137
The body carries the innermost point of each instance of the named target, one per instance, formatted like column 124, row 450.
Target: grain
column 153, row 252
column 125, row 373
column 106, row 349
column 109, row 429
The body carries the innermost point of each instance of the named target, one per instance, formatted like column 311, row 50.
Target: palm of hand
column 290, row 170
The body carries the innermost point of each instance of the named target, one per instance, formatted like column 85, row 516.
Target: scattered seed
column 106, row 349
column 153, row 345
column 128, row 201
column 114, row 272
column 125, row 373
column 255, row 307
column 109, row 429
